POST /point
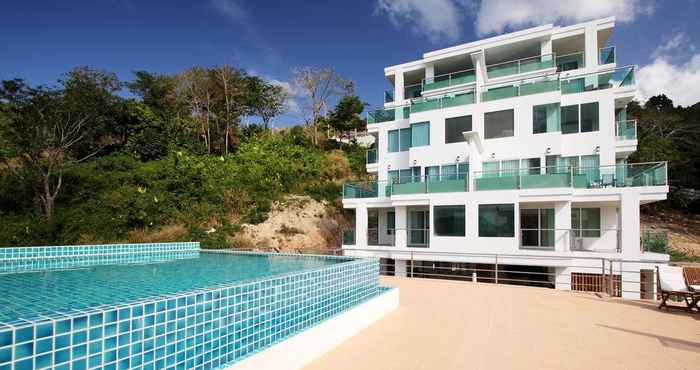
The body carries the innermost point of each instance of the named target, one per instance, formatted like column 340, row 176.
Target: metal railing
column 612, row 277
column 449, row 79
column 521, row 88
column 380, row 115
column 524, row 65
column 614, row 78
column 606, row 55
column 445, row 183
column 446, row 101
column 626, row 130
column 619, row 175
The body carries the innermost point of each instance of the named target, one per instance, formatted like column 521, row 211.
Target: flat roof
column 454, row 325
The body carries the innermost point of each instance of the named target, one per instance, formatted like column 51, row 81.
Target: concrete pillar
column 591, row 51
column 361, row 226
column 479, row 62
column 429, row 70
column 400, row 268
column 629, row 239
column 546, row 46
column 401, row 233
column 562, row 224
column 562, row 278
column 398, row 86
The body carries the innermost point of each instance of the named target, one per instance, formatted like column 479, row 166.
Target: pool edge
column 301, row 349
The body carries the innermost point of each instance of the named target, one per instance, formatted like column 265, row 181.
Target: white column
column 398, row 86
column 361, row 226
column 591, row 52
column 562, row 278
column 562, row 224
column 479, row 63
column 629, row 238
column 401, row 233
column 429, row 70
column 546, row 46
column 400, row 268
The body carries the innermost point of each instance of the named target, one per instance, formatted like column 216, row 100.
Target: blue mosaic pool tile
column 203, row 329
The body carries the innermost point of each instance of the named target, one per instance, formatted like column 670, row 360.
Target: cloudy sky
column 40, row 39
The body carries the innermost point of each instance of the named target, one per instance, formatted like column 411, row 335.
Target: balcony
column 528, row 87
column 621, row 175
column 409, row 92
column 387, row 114
column 446, row 101
column 371, row 156
column 413, row 185
column 570, row 62
column 450, row 79
column 524, row 65
column 626, row 130
column 619, row 77
column 388, row 96
column 606, row 55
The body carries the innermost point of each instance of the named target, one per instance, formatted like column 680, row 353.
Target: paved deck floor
column 460, row 325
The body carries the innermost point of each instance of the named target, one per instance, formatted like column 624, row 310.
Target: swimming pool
column 164, row 305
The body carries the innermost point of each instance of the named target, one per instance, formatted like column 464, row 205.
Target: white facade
column 560, row 169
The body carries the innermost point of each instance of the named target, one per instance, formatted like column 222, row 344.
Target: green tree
column 266, row 100
column 346, row 115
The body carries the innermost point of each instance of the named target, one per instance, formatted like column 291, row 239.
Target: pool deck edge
column 299, row 350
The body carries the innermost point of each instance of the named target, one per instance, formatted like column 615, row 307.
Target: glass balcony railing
column 524, row 65
column 621, row 175
column 618, row 77
column 654, row 241
column 606, row 55
column 570, row 62
column 446, row 101
column 371, row 156
column 388, row 114
column 412, row 185
column 527, row 87
column 450, row 79
column 626, row 130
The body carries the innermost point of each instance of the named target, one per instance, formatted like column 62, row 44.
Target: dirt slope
column 683, row 229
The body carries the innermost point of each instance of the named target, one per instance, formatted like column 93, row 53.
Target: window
column 498, row 124
column 497, row 220
column 393, row 141
column 455, row 126
column 537, row 227
column 546, row 118
column 569, row 119
column 390, row 222
column 420, row 134
column 586, row 222
column 404, row 139
column 432, row 173
column 399, row 140
column 530, row 166
column 449, row 220
column 589, row 117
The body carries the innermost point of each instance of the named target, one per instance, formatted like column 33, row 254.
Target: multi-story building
column 510, row 151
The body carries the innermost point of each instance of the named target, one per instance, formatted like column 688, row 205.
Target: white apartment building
column 511, row 152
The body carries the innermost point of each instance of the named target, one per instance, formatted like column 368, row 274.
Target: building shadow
column 665, row 341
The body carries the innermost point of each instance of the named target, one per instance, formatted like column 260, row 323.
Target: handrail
column 626, row 136
column 521, row 59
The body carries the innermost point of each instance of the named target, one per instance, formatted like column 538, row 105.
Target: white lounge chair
column 671, row 282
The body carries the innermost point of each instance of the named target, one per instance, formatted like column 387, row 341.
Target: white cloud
column 438, row 20
column 495, row 16
column 678, row 81
column 293, row 95
column 230, row 8
column 673, row 46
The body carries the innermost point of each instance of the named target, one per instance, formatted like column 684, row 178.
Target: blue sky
column 39, row 40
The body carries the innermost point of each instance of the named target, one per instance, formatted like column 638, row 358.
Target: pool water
column 31, row 295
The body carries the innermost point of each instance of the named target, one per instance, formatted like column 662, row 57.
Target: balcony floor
column 458, row 325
